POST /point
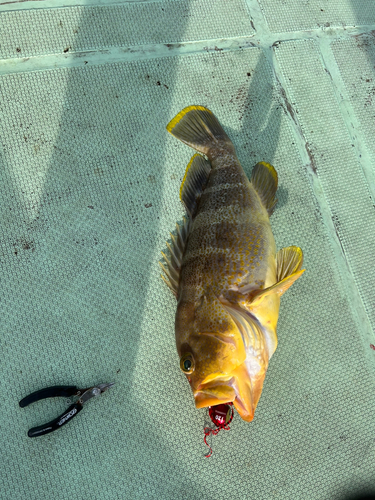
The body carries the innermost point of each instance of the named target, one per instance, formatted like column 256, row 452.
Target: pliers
column 83, row 395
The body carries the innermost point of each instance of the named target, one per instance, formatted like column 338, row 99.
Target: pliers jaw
column 92, row 392
column 83, row 395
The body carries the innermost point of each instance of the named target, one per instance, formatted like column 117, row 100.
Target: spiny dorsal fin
column 194, row 182
column 264, row 180
column 289, row 260
column 176, row 251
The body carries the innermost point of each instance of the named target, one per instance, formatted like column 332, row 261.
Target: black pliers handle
column 83, row 395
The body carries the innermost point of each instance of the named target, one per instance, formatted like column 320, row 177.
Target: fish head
column 211, row 348
column 226, row 359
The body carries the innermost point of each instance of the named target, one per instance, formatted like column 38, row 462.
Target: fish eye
column 187, row 363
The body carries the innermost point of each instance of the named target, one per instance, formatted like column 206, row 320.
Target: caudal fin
column 199, row 128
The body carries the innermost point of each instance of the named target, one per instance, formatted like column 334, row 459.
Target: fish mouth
column 214, row 393
column 240, row 389
column 248, row 390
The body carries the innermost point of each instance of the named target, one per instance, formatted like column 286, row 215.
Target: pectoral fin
column 248, row 326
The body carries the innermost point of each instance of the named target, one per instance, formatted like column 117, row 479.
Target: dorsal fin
column 176, row 251
column 264, row 180
column 289, row 260
column 194, row 182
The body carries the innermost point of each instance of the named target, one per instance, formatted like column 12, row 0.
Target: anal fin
column 264, row 180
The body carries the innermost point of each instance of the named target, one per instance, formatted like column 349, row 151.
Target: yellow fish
column 224, row 270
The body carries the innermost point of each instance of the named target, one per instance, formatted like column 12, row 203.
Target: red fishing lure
column 221, row 416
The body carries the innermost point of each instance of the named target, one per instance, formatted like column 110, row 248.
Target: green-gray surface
column 89, row 190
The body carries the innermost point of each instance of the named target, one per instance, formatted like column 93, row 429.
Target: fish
column 223, row 268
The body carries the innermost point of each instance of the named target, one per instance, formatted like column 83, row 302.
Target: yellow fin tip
column 171, row 125
column 186, row 171
column 270, row 168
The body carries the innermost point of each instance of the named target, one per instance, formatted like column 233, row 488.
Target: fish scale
column 224, row 270
column 232, row 232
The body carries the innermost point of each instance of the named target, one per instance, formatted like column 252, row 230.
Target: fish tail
column 199, row 128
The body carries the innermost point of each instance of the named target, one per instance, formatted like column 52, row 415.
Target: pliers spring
column 83, row 395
